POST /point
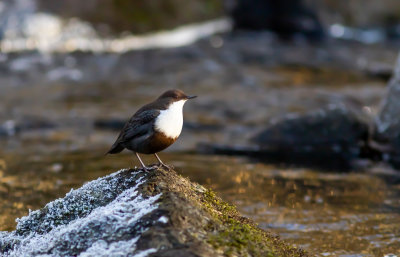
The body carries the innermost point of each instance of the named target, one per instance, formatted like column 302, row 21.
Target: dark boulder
column 329, row 137
column 137, row 213
column 286, row 17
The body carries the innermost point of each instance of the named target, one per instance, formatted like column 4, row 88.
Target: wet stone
column 328, row 139
column 387, row 124
column 332, row 137
column 137, row 213
column 286, row 18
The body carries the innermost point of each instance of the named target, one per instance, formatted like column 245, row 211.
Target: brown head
column 165, row 100
column 175, row 95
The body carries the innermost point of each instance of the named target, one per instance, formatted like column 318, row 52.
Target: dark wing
column 138, row 125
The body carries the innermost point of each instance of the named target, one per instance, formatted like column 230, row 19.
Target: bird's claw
column 164, row 165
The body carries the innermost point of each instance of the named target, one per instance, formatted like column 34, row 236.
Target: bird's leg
column 160, row 162
column 141, row 162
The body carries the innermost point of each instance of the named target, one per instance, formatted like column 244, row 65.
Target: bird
column 154, row 127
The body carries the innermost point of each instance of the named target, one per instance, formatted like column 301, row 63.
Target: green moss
column 212, row 202
column 238, row 236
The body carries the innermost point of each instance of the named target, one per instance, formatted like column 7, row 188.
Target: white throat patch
column 170, row 121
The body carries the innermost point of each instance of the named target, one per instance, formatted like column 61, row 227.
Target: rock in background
column 287, row 18
column 331, row 138
column 327, row 137
column 137, row 213
column 388, row 121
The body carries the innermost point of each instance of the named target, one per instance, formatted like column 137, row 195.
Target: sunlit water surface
column 329, row 214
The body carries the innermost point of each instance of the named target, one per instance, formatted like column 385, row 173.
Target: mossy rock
column 155, row 213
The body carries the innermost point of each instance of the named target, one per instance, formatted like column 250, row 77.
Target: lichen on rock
column 138, row 213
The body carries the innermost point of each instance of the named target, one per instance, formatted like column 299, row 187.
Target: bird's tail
column 115, row 148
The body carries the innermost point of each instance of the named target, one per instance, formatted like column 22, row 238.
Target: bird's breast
column 170, row 121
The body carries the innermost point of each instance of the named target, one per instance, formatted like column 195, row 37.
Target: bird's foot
column 161, row 164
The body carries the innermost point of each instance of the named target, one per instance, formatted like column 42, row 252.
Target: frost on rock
column 163, row 219
column 76, row 204
column 103, row 218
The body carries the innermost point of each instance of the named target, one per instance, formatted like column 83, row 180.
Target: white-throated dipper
column 153, row 127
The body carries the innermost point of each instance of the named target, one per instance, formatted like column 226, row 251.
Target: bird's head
column 175, row 95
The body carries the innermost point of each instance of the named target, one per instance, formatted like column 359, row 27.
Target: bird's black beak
column 191, row 96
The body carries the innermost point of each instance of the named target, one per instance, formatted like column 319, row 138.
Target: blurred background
column 293, row 123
